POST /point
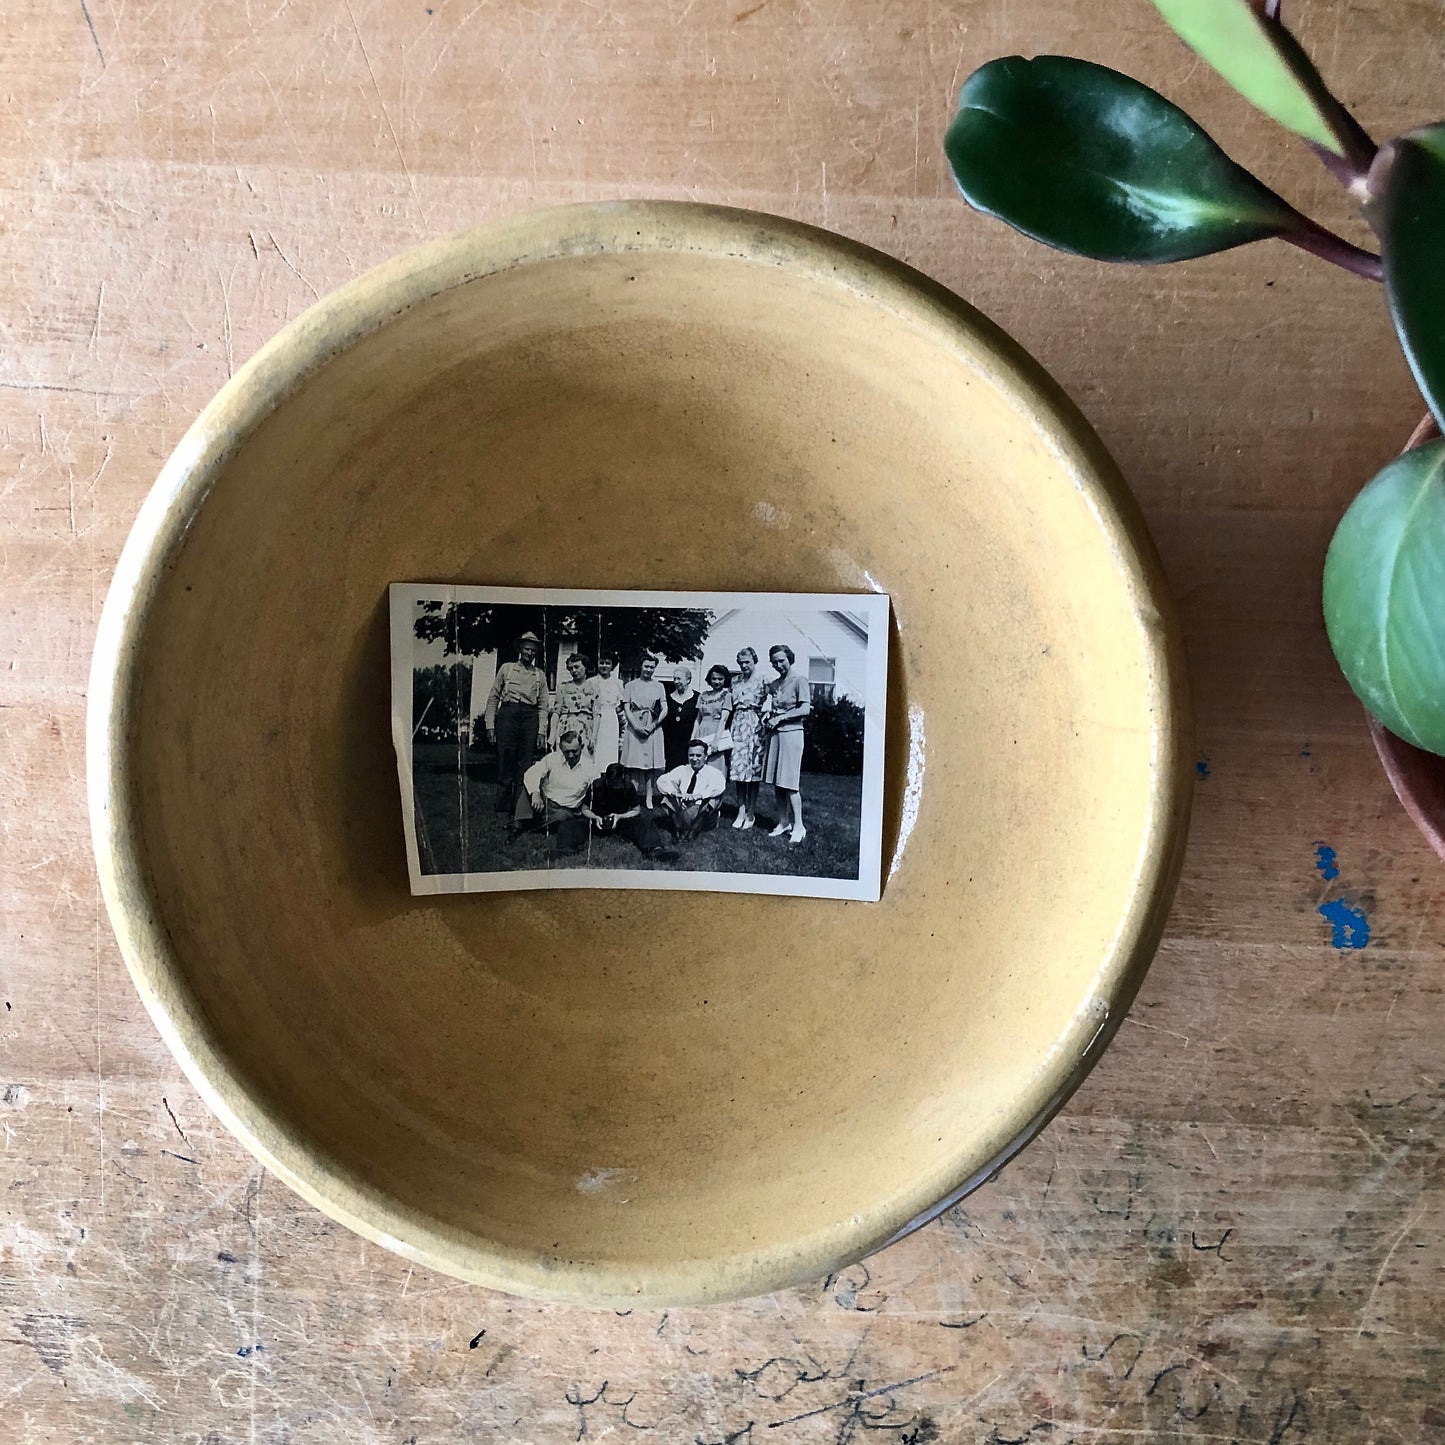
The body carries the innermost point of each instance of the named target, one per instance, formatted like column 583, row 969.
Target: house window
column 821, row 677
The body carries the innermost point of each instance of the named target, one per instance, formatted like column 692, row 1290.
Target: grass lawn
column 831, row 809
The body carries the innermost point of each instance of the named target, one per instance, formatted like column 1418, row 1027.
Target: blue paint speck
column 246, row 1351
column 1202, row 767
column 1304, row 752
column 1349, row 928
column 1325, row 862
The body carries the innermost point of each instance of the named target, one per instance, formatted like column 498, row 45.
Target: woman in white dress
column 606, row 690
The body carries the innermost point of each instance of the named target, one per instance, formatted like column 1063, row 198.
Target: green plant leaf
column 1408, row 182
column 1087, row 160
column 1260, row 59
column 1384, row 595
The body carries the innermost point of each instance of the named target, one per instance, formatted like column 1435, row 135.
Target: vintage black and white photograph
column 725, row 741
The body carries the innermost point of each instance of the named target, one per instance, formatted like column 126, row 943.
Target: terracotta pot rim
column 367, row 304
column 1398, row 759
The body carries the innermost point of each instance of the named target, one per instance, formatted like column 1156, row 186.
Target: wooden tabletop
column 1232, row 1233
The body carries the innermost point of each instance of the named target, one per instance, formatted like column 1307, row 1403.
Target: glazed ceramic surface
column 610, row 1097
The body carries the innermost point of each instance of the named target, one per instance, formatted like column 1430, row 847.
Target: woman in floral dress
column 748, row 692
column 575, row 704
column 714, row 711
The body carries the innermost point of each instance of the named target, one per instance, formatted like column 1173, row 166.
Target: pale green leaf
column 1258, row 58
column 1384, row 596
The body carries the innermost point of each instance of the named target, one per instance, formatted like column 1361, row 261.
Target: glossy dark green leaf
column 1087, row 160
column 1258, row 58
column 1408, row 181
column 1384, row 596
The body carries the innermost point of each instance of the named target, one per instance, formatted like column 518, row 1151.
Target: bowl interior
column 597, row 1094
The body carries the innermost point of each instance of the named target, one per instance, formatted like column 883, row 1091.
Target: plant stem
column 1343, row 171
column 1315, row 239
column 1357, row 149
column 1350, row 169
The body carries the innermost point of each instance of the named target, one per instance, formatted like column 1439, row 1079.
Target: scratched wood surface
column 1233, row 1233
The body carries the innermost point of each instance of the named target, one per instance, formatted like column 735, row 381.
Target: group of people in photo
column 632, row 759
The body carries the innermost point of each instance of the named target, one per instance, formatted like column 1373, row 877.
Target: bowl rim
column 366, row 304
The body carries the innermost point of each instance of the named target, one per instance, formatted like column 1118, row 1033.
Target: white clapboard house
column 831, row 647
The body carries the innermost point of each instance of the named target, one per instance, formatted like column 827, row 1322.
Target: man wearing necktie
column 692, row 794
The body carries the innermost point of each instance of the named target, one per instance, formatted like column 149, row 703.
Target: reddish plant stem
column 1341, row 169
column 1351, row 169
column 1325, row 244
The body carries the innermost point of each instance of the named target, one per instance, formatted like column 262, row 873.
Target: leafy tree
column 469, row 628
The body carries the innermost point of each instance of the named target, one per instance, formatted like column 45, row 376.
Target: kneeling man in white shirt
column 692, row 794
column 552, row 793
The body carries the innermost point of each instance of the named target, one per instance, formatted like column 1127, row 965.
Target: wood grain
column 1233, row 1233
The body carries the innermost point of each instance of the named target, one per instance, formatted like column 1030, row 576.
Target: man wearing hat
column 516, row 718
column 553, row 792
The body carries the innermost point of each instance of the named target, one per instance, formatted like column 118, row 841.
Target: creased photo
column 588, row 739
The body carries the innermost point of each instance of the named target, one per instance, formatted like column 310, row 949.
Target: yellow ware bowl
column 642, row 1097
